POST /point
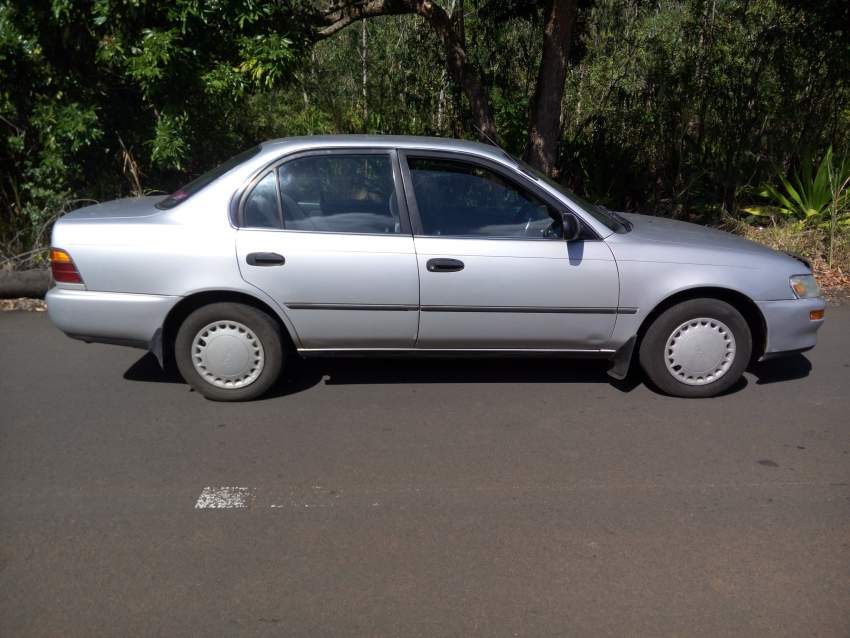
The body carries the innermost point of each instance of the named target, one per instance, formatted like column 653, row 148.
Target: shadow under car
column 302, row 374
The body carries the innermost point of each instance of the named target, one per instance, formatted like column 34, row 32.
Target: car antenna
column 481, row 132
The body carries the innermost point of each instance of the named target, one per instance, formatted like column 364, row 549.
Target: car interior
column 460, row 199
column 356, row 194
column 346, row 194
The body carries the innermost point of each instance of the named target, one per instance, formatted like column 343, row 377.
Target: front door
column 494, row 270
column 324, row 235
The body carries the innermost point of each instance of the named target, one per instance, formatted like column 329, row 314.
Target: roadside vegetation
column 733, row 113
column 807, row 213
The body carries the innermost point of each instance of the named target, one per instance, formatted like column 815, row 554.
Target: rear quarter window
column 182, row 194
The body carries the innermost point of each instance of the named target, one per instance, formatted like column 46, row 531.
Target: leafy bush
column 97, row 96
column 811, row 197
column 808, row 195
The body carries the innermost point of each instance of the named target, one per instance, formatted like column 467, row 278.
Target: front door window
column 459, row 199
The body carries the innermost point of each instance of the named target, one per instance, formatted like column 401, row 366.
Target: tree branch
column 339, row 15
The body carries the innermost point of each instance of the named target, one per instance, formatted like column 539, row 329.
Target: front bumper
column 108, row 317
column 789, row 328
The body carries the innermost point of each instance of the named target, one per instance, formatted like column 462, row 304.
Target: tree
column 544, row 126
column 678, row 107
column 545, row 111
column 87, row 86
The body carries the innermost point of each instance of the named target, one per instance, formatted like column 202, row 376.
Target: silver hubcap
column 227, row 354
column 700, row 351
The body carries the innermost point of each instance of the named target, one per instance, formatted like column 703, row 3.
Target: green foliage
column 818, row 199
column 80, row 79
column 674, row 106
column 265, row 58
column 809, row 194
column 170, row 144
column 805, row 195
column 86, row 84
column 147, row 62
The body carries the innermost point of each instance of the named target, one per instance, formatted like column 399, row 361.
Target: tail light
column 63, row 268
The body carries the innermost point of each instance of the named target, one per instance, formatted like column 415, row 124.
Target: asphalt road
column 437, row 498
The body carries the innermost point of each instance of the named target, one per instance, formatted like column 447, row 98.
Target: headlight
column 805, row 286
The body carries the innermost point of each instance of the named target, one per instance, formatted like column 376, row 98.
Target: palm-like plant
column 839, row 207
column 820, row 197
column 807, row 195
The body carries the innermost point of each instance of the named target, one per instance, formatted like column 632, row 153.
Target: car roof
column 384, row 141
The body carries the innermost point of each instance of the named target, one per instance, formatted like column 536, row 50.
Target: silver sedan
column 371, row 245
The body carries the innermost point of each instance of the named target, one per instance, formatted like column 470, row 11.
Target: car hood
column 660, row 230
column 131, row 207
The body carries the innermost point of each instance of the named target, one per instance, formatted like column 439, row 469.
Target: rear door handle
column 441, row 264
column 265, row 259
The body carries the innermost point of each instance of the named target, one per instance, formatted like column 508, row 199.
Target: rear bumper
column 789, row 329
column 108, row 317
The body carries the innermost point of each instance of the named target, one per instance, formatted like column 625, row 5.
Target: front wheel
column 229, row 351
column 697, row 348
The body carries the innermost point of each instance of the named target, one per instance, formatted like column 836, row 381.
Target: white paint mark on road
column 314, row 497
column 317, row 497
column 216, row 498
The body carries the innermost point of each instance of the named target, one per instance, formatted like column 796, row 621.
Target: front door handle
column 444, row 265
column 265, row 259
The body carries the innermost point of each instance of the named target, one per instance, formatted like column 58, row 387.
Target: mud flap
column 621, row 360
column 156, row 347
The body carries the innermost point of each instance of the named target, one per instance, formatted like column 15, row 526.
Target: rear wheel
column 697, row 348
column 229, row 351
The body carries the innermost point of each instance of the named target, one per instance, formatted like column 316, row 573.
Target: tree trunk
column 338, row 16
column 459, row 68
column 545, row 109
column 364, row 67
column 24, row 283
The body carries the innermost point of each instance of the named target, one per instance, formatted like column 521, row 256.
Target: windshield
column 601, row 214
column 184, row 193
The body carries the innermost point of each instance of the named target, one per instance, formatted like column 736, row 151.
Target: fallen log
column 24, row 283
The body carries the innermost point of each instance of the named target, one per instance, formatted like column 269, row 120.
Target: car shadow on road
column 147, row 369
column 302, row 374
column 781, row 369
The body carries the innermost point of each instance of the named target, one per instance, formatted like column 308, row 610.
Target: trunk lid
column 128, row 208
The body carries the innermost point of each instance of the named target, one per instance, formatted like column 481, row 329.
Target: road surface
column 433, row 498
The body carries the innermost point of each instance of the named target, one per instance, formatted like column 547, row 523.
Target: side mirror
column 570, row 226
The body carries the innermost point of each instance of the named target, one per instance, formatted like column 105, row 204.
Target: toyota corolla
column 376, row 245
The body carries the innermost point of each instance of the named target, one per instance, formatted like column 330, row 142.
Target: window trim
column 516, row 178
column 238, row 210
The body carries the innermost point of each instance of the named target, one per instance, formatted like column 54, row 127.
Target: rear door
column 326, row 234
column 495, row 272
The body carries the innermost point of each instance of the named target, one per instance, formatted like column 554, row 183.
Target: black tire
column 653, row 348
column 264, row 327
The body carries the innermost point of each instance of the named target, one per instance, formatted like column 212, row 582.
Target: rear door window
column 339, row 193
